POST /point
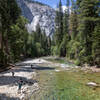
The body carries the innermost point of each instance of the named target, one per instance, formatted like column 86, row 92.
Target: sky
column 52, row 3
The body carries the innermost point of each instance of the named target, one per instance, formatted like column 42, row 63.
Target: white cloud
column 64, row 8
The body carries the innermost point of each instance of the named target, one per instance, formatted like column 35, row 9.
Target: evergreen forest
column 76, row 37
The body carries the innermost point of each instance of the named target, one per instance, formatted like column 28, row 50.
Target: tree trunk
column 0, row 40
column 7, row 51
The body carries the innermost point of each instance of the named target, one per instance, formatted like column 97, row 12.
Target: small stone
column 57, row 70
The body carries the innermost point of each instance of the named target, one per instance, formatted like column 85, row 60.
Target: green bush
column 77, row 62
column 54, row 50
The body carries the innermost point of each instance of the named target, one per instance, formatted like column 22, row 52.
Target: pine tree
column 73, row 25
column 59, row 24
column 0, row 33
column 66, row 23
column 73, row 21
column 18, row 39
column 31, row 49
column 1, row 46
column 73, row 43
column 8, row 10
column 38, row 33
column 60, row 20
column 66, row 35
column 87, row 14
column 96, row 45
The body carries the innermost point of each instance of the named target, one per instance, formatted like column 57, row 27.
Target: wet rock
column 36, row 84
column 64, row 65
column 57, row 70
column 92, row 84
column 77, row 66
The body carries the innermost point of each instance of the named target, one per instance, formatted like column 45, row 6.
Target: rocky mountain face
column 38, row 13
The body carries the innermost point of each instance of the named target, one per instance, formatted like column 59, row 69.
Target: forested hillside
column 76, row 37
column 15, row 42
column 77, row 33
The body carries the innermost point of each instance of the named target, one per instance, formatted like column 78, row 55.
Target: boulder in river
column 92, row 84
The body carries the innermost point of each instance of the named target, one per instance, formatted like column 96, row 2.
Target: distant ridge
column 33, row 1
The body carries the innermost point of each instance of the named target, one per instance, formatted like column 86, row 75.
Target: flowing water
column 57, row 83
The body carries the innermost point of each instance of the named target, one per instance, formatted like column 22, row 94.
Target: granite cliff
column 38, row 13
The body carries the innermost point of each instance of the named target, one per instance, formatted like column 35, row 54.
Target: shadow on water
column 27, row 64
column 43, row 68
column 5, row 97
column 19, row 69
column 23, row 69
column 9, row 80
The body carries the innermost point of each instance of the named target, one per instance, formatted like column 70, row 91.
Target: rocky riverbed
column 24, row 71
column 47, row 78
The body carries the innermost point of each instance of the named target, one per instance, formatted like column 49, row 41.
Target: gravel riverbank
column 9, row 84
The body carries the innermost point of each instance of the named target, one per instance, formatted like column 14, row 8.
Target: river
column 60, row 83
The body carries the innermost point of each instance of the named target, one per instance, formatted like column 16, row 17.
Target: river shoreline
column 9, row 84
column 24, row 70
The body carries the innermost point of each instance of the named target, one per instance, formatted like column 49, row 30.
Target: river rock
column 92, row 84
column 57, row 70
column 65, row 66
column 36, row 85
